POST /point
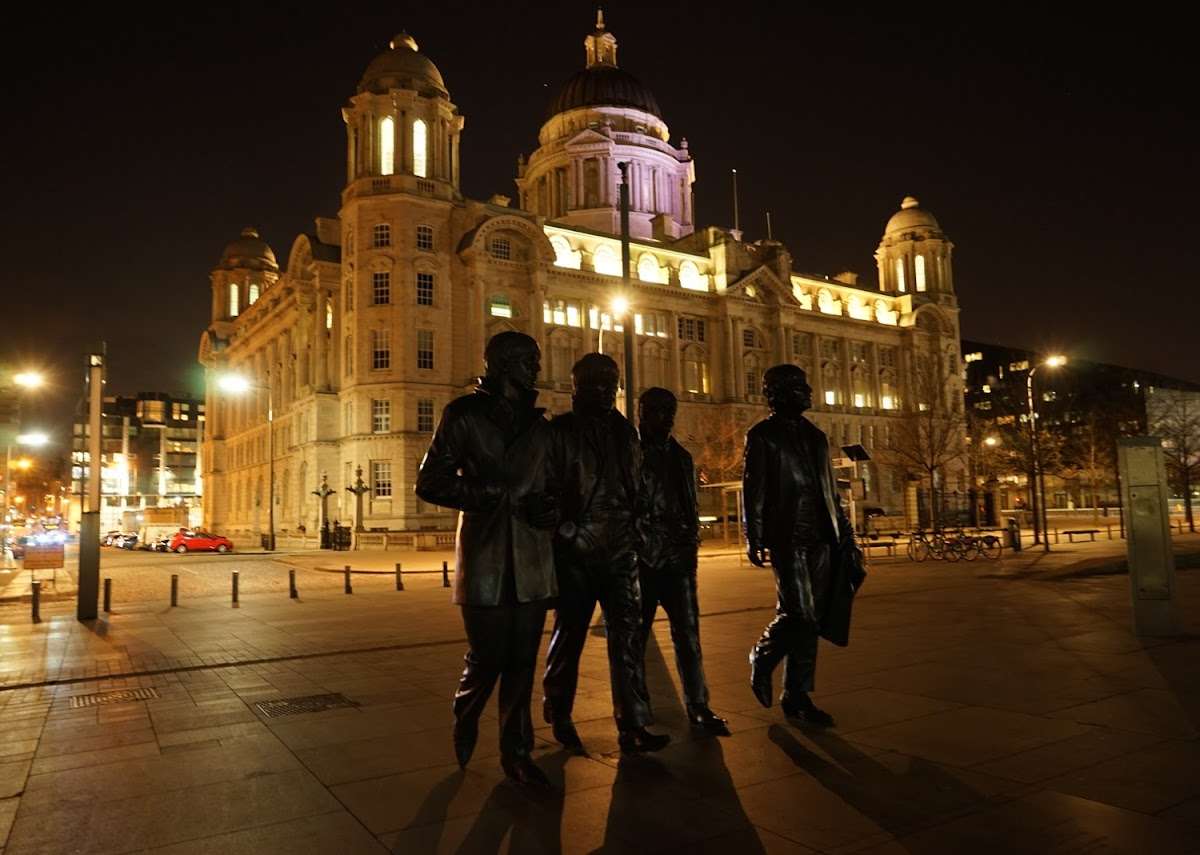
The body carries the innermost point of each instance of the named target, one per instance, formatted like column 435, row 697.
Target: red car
column 199, row 541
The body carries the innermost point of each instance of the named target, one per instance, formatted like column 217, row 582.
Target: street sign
column 43, row 556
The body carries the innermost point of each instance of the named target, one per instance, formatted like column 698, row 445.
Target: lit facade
column 381, row 315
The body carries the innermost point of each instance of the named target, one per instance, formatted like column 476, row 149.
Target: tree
column 1174, row 415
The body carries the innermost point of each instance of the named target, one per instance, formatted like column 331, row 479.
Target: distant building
column 151, row 448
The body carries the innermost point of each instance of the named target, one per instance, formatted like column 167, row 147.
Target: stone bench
column 1071, row 532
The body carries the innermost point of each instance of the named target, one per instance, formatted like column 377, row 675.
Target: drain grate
column 116, row 696
column 307, row 704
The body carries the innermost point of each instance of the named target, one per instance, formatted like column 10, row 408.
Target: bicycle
column 922, row 546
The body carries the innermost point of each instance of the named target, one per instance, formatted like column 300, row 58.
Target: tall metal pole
column 1038, row 516
column 86, row 604
column 737, row 222
column 270, row 463
column 630, row 333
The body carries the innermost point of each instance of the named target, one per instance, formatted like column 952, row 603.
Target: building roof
column 324, row 251
column 910, row 216
column 603, row 86
column 250, row 252
column 402, row 66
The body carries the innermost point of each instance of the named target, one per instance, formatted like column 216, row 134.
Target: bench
column 1071, row 532
column 889, row 545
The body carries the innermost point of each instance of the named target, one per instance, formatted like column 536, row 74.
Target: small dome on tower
column 602, row 83
column 249, row 252
column 402, row 66
column 910, row 216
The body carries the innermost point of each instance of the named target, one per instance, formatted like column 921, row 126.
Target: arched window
column 387, row 146
column 252, row 294
column 861, row 386
column 695, row 371
column 654, row 365
column 919, row 261
column 605, row 260
column 420, row 147
column 900, row 284
column 753, row 374
column 887, row 391
column 564, row 256
column 690, row 278
column 831, row 375
column 234, row 304
column 648, row 269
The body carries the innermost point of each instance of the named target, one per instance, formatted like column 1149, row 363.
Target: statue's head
column 786, row 389
column 513, row 357
column 656, row 413
column 594, row 378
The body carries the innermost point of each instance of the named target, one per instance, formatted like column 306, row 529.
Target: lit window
column 420, row 149
column 252, row 294
column 425, row 349
column 328, row 314
column 501, row 248
column 605, row 260
column 690, row 278
column 889, row 403
column 900, row 285
column 555, row 312
column 425, row 237
column 381, row 235
column 564, row 256
column 381, row 478
column 233, row 300
column 987, row 389
column 381, row 416
column 573, row 316
column 648, row 269
column 424, row 289
column 830, row 397
column 827, row 304
column 885, row 314
column 387, row 146
column 695, row 372
column 860, row 400
column 691, row 329
column 425, row 415
column 381, row 349
column 500, row 307
column 381, row 288
column 972, row 357
column 920, row 271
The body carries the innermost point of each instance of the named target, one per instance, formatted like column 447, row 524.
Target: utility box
column 1148, row 536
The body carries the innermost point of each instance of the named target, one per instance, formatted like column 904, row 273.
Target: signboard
column 43, row 556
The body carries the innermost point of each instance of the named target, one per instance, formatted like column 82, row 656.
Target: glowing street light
column 991, row 441
column 234, row 383
column 1039, row 476
column 620, row 305
column 36, row 439
column 29, row 379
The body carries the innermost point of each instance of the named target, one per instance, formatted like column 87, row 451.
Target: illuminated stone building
column 381, row 314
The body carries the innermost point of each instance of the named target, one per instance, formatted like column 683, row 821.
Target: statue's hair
column 657, row 396
column 777, row 377
column 504, row 347
column 595, row 366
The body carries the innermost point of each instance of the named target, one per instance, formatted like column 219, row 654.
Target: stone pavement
column 986, row 707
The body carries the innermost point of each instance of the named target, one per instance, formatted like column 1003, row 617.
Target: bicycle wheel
column 971, row 549
column 952, row 550
column 991, row 548
column 918, row 550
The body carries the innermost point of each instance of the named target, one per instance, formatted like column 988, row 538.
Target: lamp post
column 324, row 492
column 238, row 385
column 622, row 300
column 1038, row 484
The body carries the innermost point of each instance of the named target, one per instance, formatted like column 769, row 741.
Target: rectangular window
column 691, row 329
column 425, row 415
column 381, row 288
column 887, row 357
column 381, row 349
column 381, row 235
column 425, row 237
column 801, row 345
column 749, row 338
column 381, row 479
column 425, row 349
column 829, row 348
column 424, row 289
column 381, row 416
column 858, row 351
column 501, row 248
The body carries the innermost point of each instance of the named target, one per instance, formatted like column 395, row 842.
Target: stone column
column 675, row 357
column 729, row 364
column 322, row 342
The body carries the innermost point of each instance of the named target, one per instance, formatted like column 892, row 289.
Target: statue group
column 581, row 509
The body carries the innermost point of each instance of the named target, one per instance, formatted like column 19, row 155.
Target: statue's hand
column 757, row 554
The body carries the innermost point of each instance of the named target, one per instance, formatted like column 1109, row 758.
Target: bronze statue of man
column 596, row 462
column 794, row 516
column 670, row 527
column 488, row 460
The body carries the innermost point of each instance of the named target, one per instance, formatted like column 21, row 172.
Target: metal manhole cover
column 307, row 704
column 116, row 696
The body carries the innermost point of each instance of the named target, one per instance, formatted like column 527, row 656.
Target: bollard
column 445, row 575
column 292, row 592
column 235, row 587
column 1109, row 527
column 174, row 590
column 107, row 594
column 399, row 578
column 349, row 587
column 37, row 601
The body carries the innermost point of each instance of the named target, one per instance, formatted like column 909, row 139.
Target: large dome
column 911, row 216
column 249, row 252
column 603, row 86
column 402, row 66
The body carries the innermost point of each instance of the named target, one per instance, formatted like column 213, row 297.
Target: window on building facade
column 425, row 415
column 329, row 314
column 887, row 391
column 500, row 307
column 234, row 306
column 381, row 349
column 690, row 278
column 900, row 284
column 500, row 248
column 424, row 289
column 381, row 235
column 648, row 269
column 420, row 149
column 387, row 146
column 830, row 347
column 605, row 260
column 562, row 313
column 887, row 357
column 381, row 288
column 695, row 371
column 381, row 416
column 652, row 324
column 831, row 379
column 425, row 238
column 919, row 271
column 252, row 294
column 381, row 479
column 425, row 349
column 691, row 329
column 753, row 370
column 750, row 338
column 801, row 346
column 654, row 365
column 564, row 256
column 349, row 356
column 859, row 352
column 562, row 357
column 860, row 382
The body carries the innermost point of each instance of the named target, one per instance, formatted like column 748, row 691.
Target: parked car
column 199, row 541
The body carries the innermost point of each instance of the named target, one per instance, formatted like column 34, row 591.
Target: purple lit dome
column 603, row 86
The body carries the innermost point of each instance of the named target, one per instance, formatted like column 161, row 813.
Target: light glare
column 234, row 383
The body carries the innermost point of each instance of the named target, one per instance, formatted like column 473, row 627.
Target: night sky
column 1057, row 152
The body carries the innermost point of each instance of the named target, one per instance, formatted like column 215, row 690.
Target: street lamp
column 29, row 379
column 1039, row 477
column 236, row 384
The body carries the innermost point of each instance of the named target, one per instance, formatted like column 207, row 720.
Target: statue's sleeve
column 440, row 480
column 754, row 486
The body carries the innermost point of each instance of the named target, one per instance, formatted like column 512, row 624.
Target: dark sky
column 1056, row 150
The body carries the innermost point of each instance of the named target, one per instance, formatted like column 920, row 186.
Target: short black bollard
column 445, row 575
column 107, row 594
column 235, row 587
column 37, row 601
column 399, row 578
column 174, row 590
column 349, row 587
column 292, row 592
